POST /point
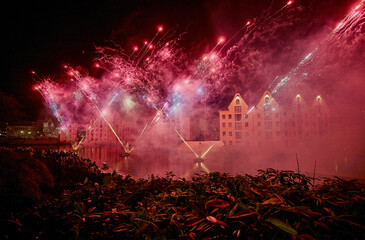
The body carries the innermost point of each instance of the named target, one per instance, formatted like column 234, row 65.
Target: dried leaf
column 283, row 226
column 243, row 214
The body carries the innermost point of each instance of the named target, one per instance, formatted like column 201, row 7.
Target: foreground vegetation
column 49, row 195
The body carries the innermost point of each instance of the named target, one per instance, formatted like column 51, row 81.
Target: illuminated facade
column 98, row 132
column 270, row 124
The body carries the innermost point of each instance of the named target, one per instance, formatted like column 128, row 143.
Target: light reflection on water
column 180, row 161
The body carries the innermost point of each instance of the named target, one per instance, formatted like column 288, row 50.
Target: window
column 238, row 117
column 238, row 135
column 238, row 126
column 230, row 142
column 258, row 115
column 237, row 101
column 223, row 116
column 223, row 124
column 223, row 133
column 268, row 125
column 230, row 134
column 277, row 124
column 268, row 116
column 237, row 109
column 229, row 116
column 276, row 115
column 246, row 116
column 267, row 107
column 259, row 124
column 230, row 125
column 246, row 124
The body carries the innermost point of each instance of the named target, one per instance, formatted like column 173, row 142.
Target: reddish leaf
column 216, row 203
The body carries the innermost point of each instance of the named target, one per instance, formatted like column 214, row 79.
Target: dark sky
column 42, row 35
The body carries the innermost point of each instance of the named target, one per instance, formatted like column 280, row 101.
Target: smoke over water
column 289, row 49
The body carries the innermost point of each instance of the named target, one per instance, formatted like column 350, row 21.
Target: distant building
column 69, row 135
column 50, row 129
column 271, row 124
column 98, row 132
column 24, row 130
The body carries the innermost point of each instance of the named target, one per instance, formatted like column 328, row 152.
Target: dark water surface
column 182, row 162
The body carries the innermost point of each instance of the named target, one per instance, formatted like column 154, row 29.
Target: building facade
column 270, row 124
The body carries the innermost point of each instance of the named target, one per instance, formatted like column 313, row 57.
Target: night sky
column 41, row 36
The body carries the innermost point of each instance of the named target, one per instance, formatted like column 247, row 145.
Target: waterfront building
column 272, row 124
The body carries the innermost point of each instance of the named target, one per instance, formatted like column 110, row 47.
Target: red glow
column 248, row 23
column 145, row 42
column 150, row 46
column 355, row 14
column 160, row 28
column 32, row 72
column 135, row 48
column 220, row 40
column 289, row 3
column 97, row 65
column 36, row 87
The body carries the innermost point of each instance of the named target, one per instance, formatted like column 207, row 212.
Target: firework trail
column 169, row 77
column 351, row 21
